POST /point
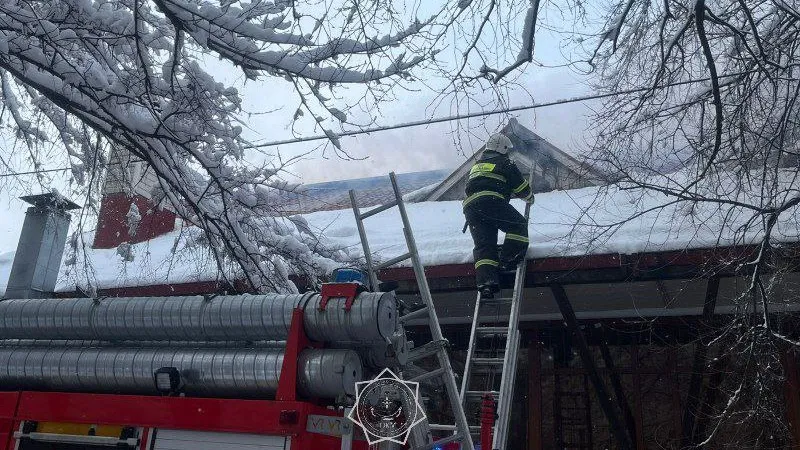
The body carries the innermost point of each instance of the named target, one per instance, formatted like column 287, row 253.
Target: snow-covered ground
column 563, row 223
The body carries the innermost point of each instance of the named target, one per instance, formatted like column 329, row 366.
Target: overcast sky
column 405, row 150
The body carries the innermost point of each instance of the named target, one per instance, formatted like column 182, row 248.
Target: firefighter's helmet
column 499, row 143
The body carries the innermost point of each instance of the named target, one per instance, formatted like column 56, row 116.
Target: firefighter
column 493, row 180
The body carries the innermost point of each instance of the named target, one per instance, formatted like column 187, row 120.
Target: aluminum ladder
column 506, row 366
column 438, row 345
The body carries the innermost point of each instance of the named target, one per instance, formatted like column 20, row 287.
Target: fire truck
column 238, row 372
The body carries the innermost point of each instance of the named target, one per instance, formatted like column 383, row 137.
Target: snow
column 563, row 223
column 175, row 257
column 6, row 259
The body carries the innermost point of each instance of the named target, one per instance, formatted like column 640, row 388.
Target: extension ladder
column 438, row 345
column 491, row 364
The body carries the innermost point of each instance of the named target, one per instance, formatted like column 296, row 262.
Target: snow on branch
column 526, row 52
column 240, row 41
column 92, row 77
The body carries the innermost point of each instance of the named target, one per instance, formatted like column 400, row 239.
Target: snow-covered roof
column 563, row 223
column 370, row 191
column 531, row 152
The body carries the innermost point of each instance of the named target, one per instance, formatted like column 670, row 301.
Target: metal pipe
column 251, row 373
column 386, row 354
column 376, row 356
column 143, row 344
column 373, row 318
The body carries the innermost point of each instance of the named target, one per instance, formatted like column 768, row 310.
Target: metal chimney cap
column 50, row 200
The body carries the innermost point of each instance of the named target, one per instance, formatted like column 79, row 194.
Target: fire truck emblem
column 387, row 408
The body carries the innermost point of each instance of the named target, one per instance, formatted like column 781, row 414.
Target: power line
column 60, row 169
column 33, row 172
column 417, row 123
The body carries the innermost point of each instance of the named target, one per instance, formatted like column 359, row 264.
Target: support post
column 616, row 423
column 295, row 343
column 637, row 397
column 616, row 384
column 675, row 377
column 535, row 393
column 698, row 365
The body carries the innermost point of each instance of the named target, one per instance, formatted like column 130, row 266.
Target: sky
column 418, row 148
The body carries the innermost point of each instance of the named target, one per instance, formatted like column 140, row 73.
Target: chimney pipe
column 41, row 246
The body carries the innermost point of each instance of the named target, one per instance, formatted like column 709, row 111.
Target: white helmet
column 499, row 143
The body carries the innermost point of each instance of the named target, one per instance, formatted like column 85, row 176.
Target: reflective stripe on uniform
column 482, row 167
column 521, row 187
column 516, row 237
column 485, row 170
column 486, row 262
column 491, row 175
column 476, row 195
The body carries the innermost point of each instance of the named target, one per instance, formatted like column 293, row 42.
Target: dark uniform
column 493, row 180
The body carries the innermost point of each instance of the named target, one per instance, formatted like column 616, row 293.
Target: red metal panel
column 6, row 433
column 8, row 404
column 295, row 343
column 208, row 414
column 8, row 409
column 335, row 290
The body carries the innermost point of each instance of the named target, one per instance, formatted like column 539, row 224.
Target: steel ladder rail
column 462, row 431
column 509, row 368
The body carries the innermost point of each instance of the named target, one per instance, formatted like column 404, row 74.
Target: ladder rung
column 393, row 261
column 414, row 314
column 491, row 330
column 427, row 376
column 431, row 348
column 480, row 394
column 488, row 361
column 496, row 301
column 442, row 427
column 445, row 440
column 377, row 210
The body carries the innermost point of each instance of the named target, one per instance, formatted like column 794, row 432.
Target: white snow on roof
column 563, row 223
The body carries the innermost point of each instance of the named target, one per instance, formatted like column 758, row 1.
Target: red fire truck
column 33, row 420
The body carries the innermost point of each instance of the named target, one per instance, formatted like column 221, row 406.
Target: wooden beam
column 637, row 398
column 558, row 426
column 698, row 365
column 616, row 423
column 672, row 361
column 535, row 393
column 619, row 392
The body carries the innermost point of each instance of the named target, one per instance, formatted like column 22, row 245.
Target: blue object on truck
column 349, row 276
